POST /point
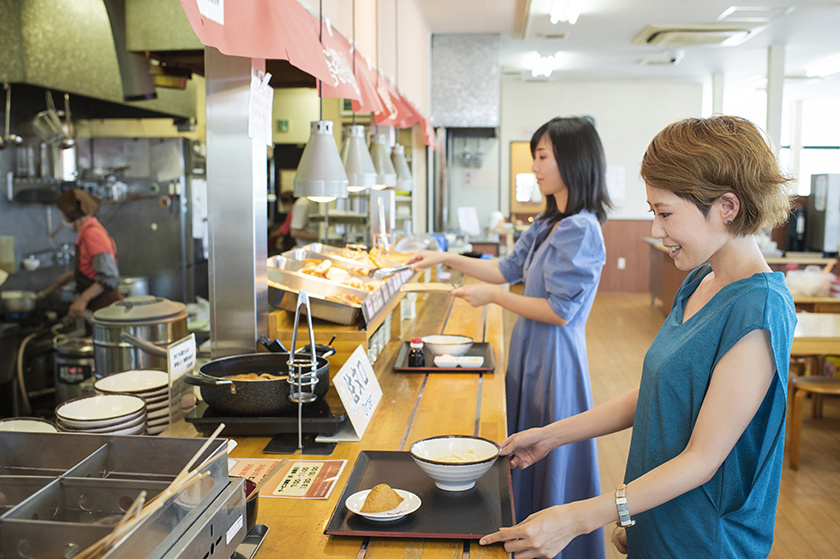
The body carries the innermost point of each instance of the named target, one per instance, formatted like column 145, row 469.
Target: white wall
column 627, row 114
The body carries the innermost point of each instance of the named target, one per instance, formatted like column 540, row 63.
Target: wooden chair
column 799, row 387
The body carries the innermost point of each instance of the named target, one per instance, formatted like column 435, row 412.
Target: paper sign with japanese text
column 294, row 479
column 359, row 390
column 180, row 360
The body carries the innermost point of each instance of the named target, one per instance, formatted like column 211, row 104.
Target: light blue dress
column 548, row 373
column 733, row 514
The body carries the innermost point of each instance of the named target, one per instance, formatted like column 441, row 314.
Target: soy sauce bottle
column 415, row 356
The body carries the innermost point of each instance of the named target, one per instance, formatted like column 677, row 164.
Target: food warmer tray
column 284, row 286
column 65, row 491
column 322, row 251
column 478, row 349
column 468, row 514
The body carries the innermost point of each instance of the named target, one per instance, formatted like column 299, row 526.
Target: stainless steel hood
column 69, row 47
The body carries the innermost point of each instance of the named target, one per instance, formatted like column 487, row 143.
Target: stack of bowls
column 152, row 386
column 109, row 414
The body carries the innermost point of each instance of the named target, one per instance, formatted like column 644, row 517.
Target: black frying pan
column 254, row 397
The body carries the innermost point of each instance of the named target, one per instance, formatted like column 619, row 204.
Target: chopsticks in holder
column 138, row 511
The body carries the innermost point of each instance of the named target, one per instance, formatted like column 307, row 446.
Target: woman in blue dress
column 705, row 460
column 559, row 259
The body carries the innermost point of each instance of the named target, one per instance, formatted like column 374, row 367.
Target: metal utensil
column 382, row 273
column 7, row 137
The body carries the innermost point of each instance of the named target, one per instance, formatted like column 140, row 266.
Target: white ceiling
column 601, row 44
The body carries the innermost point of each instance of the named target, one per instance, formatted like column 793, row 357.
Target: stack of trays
column 152, row 386
column 112, row 414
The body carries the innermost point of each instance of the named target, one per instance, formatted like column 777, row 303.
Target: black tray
column 322, row 417
column 467, row 514
column 478, row 349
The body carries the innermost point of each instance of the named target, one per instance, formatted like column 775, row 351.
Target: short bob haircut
column 580, row 159
column 701, row 159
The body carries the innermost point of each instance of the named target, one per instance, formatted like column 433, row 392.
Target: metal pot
column 18, row 302
column 253, row 397
column 117, row 327
column 133, row 287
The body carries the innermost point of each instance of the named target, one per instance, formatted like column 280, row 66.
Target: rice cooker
column 135, row 332
column 74, row 364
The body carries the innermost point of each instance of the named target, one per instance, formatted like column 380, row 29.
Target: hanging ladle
column 8, row 138
column 67, row 141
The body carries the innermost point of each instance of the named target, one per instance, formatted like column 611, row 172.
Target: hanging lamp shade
column 404, row 179
column 386, row 175
column 320, row 175
column 358, row 164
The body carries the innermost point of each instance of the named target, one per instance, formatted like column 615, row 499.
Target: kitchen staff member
column 95, row 269
column 708, row 419
column 304, row 230
column 559, row 258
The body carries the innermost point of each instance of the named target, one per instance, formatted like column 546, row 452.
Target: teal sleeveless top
column 733, row 514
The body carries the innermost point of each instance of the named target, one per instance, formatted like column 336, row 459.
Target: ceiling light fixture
column 824, row 67
column 355, row 155
column 564, row 10
column 405, row 181
column 386, row 175
column 320, row 174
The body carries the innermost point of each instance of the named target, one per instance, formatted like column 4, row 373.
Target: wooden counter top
column 413, row 406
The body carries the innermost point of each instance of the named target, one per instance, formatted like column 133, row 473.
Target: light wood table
column 816, row 335
column 413, row 406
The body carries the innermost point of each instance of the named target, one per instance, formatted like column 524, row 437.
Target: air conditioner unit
column 676, row 35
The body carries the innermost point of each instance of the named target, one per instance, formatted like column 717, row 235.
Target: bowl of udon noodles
column 455, row 462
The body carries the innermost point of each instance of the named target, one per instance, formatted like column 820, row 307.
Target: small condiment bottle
column 415, row 356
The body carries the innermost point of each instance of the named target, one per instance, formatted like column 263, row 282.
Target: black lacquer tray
column 478, row 349
column 467, row 514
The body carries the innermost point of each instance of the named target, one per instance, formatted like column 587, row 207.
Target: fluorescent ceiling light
column 564, row 10
column 823, row 67
column 543, row 65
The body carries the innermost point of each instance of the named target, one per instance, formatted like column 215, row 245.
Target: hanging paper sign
column 260, row 108
column 359, row 390
column 212, row 9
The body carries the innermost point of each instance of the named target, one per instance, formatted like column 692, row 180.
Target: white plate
column 133, row 381
column 158, row 414
column 161, row 421
column 27, row 424
column 409, row 504
column 471, row 362
column 446, row 361
column 157, row 430
column 100, row 407
column 136, row 422
column 163, row 405
column 76, row 424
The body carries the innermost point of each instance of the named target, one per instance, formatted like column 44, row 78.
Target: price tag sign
column 359, row 390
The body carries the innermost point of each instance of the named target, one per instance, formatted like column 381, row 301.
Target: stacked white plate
column 112, row 414
column 28, row 424
column 152, row 386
